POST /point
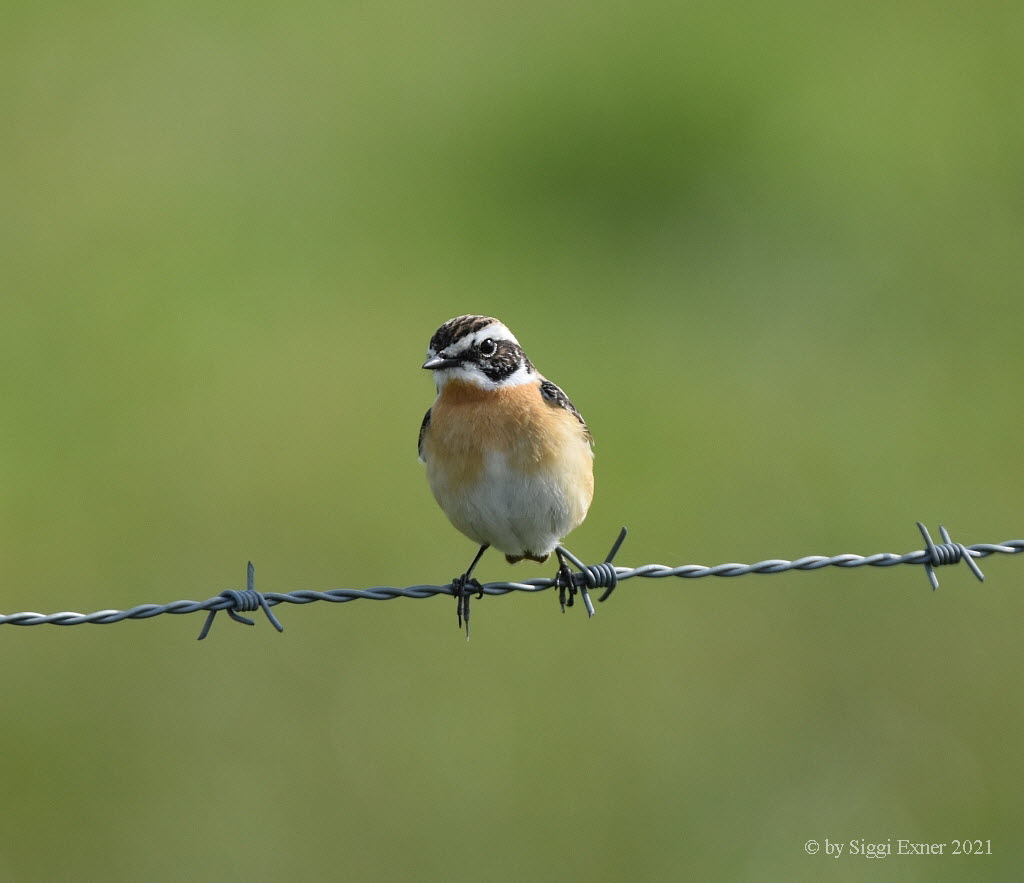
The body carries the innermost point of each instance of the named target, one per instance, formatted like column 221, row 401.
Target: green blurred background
column 774, row 254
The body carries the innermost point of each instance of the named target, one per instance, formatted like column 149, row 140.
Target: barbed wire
column 604, row 575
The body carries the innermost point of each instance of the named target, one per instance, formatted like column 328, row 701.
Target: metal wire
column 605, row 575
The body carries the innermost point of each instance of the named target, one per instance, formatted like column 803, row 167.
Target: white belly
column 515, row 512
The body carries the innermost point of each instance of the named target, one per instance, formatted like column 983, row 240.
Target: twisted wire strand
column 388, row 593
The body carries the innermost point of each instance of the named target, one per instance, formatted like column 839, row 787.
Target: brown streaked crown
column 455, row 329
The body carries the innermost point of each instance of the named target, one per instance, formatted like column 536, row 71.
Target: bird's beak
column 436, row 362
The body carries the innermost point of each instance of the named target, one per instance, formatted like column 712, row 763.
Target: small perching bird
column 509, row 458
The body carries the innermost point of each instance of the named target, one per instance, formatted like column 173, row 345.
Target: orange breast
column 466, row 421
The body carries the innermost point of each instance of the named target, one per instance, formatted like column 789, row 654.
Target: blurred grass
column 773, row 253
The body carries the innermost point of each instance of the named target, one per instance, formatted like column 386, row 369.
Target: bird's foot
column 463, row 588
column 566, row 585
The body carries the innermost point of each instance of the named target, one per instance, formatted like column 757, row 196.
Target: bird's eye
column 488, row 347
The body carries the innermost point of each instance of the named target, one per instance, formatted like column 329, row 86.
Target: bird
column 508, row 456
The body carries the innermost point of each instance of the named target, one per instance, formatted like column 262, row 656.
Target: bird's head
column 478, row 350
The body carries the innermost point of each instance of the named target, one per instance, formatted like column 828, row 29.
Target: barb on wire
column 597, row 576
column 947, row 552
column 590, row 576
column 249, row 599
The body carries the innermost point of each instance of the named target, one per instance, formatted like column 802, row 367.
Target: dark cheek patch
column 504, row 363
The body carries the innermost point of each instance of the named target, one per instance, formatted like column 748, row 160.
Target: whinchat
column 509, row 458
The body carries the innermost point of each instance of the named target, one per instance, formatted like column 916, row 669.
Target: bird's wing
column 553, row 395
column 423, row 431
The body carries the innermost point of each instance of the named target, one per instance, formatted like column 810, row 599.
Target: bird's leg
column 464, row 586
